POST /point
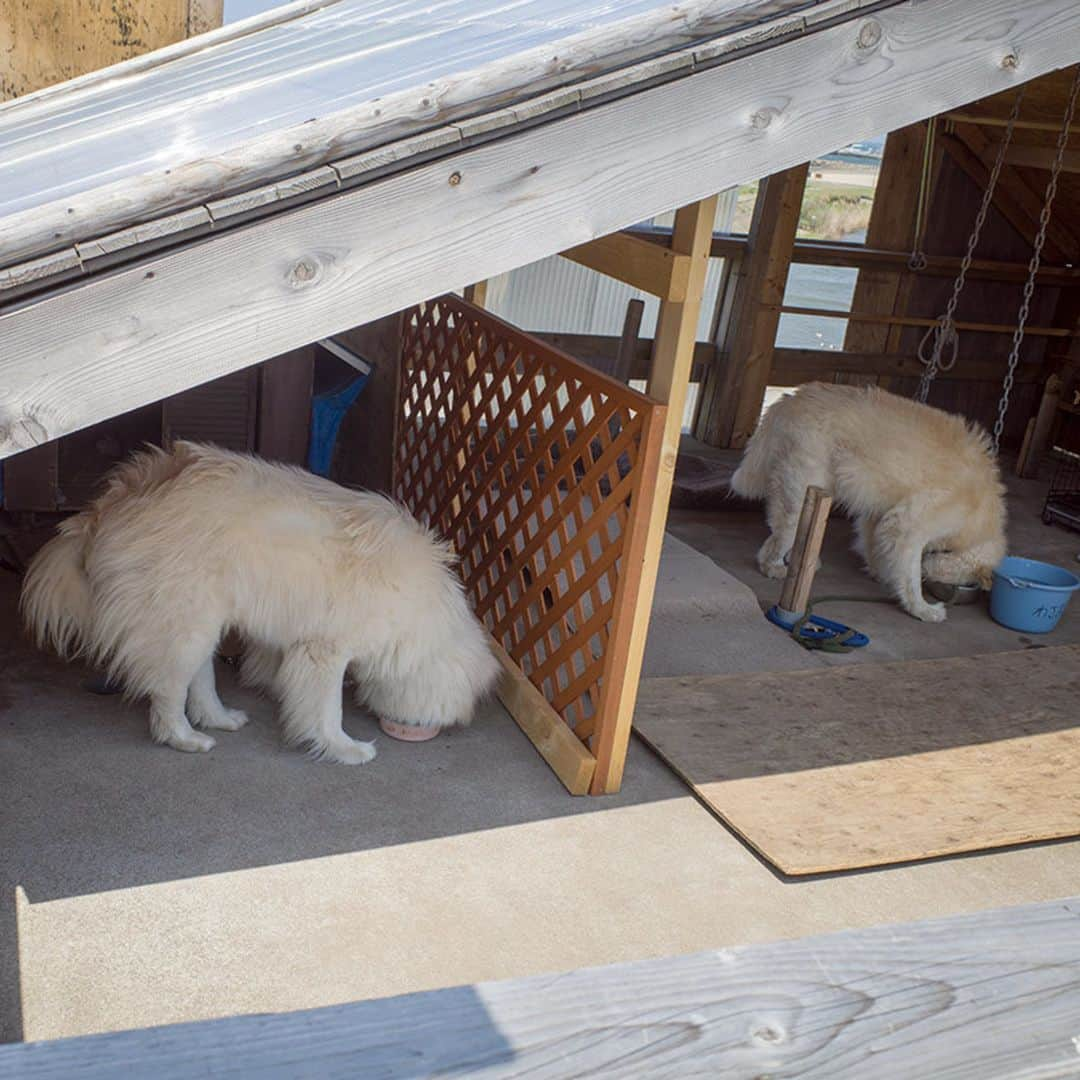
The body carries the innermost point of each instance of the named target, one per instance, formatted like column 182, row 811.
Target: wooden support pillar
column 673, row 354
column 476, row 293
column 891, row 227
column 734, row 389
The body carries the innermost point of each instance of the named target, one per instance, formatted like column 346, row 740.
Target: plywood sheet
column 864, row 766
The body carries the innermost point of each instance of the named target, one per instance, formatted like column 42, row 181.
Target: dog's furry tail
column 751, row 478
column 56, row 602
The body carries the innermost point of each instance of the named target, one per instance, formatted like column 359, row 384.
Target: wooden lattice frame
column 532, row 465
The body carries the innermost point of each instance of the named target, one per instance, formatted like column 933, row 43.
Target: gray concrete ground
column 139, row 885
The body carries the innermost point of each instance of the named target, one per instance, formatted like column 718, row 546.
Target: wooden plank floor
column 985, row 997
column 850, row 767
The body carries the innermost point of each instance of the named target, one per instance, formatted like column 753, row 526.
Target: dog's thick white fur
column 922, row 486
column 317, row 580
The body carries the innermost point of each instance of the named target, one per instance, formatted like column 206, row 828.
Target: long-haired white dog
column 922, row 485
column 184, row 546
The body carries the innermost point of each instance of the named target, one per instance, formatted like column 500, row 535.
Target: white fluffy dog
column 317, row 579
column 922, row 485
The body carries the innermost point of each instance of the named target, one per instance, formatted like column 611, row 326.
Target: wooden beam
column 984, row 996
column 673, row 355
column 731, row 397
column 637, row 262
column 601, row 351
column 628, row 341
column 1037, row 437
column 1040, row 157
column 545, row 728
column 919, row 320
column 792, row 367
column 981, row 120
column 134, row 335
column 1018, row 204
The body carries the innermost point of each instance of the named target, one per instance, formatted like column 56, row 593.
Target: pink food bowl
column 408, row 732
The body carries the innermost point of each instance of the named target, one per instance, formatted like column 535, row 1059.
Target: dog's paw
column 195, row 743
column 218, row 719
column 931, row 613
column 773, row 569
column 348, row 752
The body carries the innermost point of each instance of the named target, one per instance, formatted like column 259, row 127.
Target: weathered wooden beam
column 987, row 996
column 732, row 395
column 137, row 334
column 985, row 120
column 628, row 341
column 636, row 262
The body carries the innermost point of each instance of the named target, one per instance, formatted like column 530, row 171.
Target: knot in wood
column 1010, row 61
column 303, row 273
column 762, row 118
column 768, row 1034
column 455, row 179
column 869, row 34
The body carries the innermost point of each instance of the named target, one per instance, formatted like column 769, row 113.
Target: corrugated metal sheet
column 558, row 296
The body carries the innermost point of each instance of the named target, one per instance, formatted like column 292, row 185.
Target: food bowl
column 954, row 594
column 408, row 732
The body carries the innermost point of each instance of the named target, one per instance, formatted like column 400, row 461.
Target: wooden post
column 891, row 227
column 734, row 388
column 1038, row 433
column 805, row 552
column 624, row 358
column 476, row 293
column 673, row 355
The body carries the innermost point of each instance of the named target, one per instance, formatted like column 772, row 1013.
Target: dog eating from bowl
column 922, row 486
column 319, row 581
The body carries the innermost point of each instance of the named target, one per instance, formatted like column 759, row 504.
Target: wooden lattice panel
column 529, row 462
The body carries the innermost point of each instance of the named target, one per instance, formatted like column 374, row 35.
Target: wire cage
column 1062, row 506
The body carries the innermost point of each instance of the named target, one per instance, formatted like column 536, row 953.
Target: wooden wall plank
column 184, row 317
column 284, row 413
column 988, row 996
column 365, row 448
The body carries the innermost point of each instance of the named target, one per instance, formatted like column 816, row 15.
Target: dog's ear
column 984, row 576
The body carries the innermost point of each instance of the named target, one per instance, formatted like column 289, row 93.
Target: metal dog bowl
column 953, row 594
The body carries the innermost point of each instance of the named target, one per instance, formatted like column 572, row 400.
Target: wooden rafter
column 1018, row 203
column 641, row 263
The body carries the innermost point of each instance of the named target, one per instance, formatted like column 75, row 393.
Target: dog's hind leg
column 310, row 683
column 173, row 674
column 897, row 555
column 204, row 707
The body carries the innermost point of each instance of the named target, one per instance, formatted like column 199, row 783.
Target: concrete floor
column 141, row 886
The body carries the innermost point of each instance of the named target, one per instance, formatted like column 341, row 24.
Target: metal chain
column 1036, row 257
column 942, row 334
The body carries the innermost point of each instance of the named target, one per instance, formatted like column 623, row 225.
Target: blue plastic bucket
column 1030, row 596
